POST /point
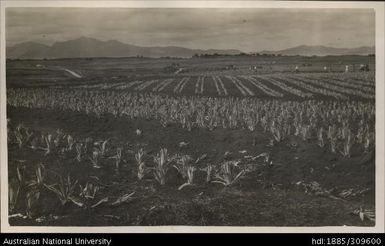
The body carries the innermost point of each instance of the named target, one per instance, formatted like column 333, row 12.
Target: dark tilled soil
column 268, row 196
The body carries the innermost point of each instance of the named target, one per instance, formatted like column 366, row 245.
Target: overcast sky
column 243, row 29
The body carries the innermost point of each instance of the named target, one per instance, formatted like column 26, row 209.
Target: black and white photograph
column 246, row 117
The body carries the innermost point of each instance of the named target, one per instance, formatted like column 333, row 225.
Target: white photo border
column 380, row 109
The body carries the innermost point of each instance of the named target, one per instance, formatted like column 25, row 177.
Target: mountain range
column 319, row 50
column 90, row 47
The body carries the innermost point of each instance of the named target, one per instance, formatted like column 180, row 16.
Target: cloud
column 245, row 29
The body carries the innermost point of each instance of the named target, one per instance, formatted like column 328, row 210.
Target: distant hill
column 90, row 47
column 305, row 50
column 28, row 49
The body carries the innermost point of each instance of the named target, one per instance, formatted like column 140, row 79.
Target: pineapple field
column 203, row 142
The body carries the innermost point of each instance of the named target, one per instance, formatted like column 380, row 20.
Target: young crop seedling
column 276, row 132
column 22, row 135
column 34, row 188
column 95, row 158
column 182, row 165
column 333, row 143
column 88, row 144
column 32, row 197
column 65, row 191
column 20, row 171
column 70, row 143
column 346, row 151
column 39, row 177
column 305, row 133
column 369, row 140
column 162, row 164
column 79, row 151
column 49, row 144
column 118, row 159
column 139, row 156
column 368, row 214
column 13, row 195
column 88, row 191
column 321, row 141
column 209, row 172
column 190, row 177
column 101, row 147
column 59, row 137
column 19, row 137
column 228, row 175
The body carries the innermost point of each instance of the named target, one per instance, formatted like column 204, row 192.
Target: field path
column 73, row 73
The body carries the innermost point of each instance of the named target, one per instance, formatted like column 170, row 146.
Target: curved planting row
column 262, row 87
column 221, row 89
column 199, row 86
column 240, row 86
column 182, row 83
column 314, row 89
column 271, row 85
column 287, row 88
column 160, row 87
column 336, row 88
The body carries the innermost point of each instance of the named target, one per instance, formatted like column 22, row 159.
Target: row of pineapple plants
column 220, row 87
column 348, row 84
column 328, row 85
column 332, row 87
column 261, row 86
column 288, row 88
column 358, row 78
column 308, row 86
column 280, row 118
column 199, row 86
column 181, row 84
column 240, row 86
